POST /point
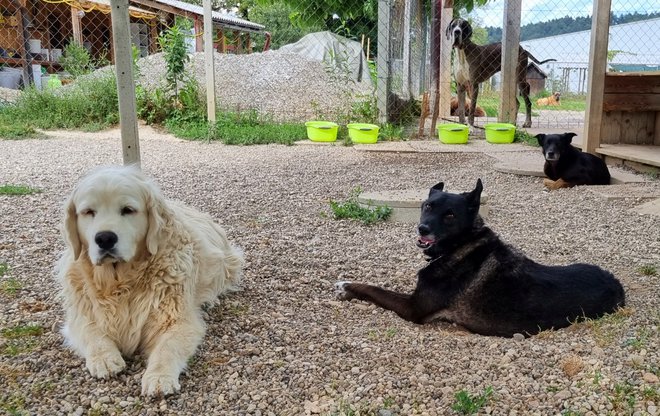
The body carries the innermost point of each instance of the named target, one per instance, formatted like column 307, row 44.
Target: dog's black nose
column 106, row 239
column 424, row 229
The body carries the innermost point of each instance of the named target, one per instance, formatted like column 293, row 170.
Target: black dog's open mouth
column 425, row 242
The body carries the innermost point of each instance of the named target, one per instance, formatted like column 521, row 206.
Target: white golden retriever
column 136, row 270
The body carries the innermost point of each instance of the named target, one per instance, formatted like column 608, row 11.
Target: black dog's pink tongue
column 426, row 240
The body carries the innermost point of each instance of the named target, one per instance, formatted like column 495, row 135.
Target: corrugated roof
column 220, row 18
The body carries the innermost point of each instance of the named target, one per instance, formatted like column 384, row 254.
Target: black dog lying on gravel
column 565, row 166
column 477, row 281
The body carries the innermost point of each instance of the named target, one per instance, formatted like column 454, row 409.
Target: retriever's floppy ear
column 71, row 228
column 156, row 212
column 438, row 187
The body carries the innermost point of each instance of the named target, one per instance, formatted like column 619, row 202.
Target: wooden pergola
column 622, row 121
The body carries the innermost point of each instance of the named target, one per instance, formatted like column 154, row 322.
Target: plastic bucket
column 322, row 131
column 363, row 133
column 453, row 133
column 500, row 132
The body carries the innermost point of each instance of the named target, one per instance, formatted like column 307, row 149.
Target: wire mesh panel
column 561, row 30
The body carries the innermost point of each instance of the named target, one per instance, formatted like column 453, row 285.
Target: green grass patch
column 4, row 268
column 20, row 339
column 15, row 190
column 13, row 130
column 648, row 270
column 521, row 136
column 90, row 101
column 21, row 331
column 468, row 404
column 13, row 404
column 10, row 286
column 352, row 209
column 391, row 132
column 246, row 128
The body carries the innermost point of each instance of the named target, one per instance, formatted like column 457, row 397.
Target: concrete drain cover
column 406, row 203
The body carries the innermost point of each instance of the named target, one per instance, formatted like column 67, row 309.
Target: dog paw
column 159, row 384
column 102, row 364
column 341, row 292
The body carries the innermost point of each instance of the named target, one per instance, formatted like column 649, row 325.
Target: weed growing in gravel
column 20, row 339
column 13, row 404
column 391, row 132
column 648, row 270
column 15, row 190
column 351, row 208
column 639, row 340
column 609, row 327
column 624, row 398
column 21, row 331
column 521, row 136
column 468, row 404
column 10, row 286
column 4, row 268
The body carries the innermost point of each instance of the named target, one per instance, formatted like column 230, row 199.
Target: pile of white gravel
column 285, row 86
column 283, row 345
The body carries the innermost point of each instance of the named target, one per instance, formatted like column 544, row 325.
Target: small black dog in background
column 565, row 166
column 477, row 281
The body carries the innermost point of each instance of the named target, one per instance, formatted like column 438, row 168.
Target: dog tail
column 536, row 61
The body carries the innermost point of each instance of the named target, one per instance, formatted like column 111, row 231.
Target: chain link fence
column 336, row 60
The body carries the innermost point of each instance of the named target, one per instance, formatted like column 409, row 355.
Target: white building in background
column 635, row 46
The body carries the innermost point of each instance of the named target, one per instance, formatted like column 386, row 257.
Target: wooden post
column 437, row 33
column 153, row 37
column 121, row 40
column 406, row 51
column 445, row 63
column 222, row 41
column 76, row 26
column 24, row 44
column 383, row 63
column 209, row 64
column 600, row 28
column 510, row 44
column 199, row 40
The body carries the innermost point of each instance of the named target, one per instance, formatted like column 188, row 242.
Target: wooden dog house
column 623, row 109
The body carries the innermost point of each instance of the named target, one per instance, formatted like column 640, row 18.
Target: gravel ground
column 273, row 83
column 283, row 345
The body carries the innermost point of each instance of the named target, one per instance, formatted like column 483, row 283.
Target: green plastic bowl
column 453, row 133
column 500, row 132
column 363, row 133
column 322, row 131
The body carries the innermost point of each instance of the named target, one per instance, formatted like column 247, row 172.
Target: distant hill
column 563, row 25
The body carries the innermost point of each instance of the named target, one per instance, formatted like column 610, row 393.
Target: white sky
column 543, row 10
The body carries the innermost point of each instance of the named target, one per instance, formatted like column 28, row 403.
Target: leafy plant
column 10, row 286
column 15, row 190
column 391, row 132
column 352, row 209
column 9, row 129
column 76, row 60
column 467, row 404
column 173, row 43
column 521, row 136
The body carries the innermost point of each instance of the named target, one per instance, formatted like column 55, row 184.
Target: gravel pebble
column 283, row 345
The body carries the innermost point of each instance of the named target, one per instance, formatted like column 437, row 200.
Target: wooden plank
column 644, row 84
column 631, row 102
column 121, row 37
column 656, row 139
column 600, row 27
column 648, row 155
column 612, row 126
column 510, row 47
column 77, row 26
